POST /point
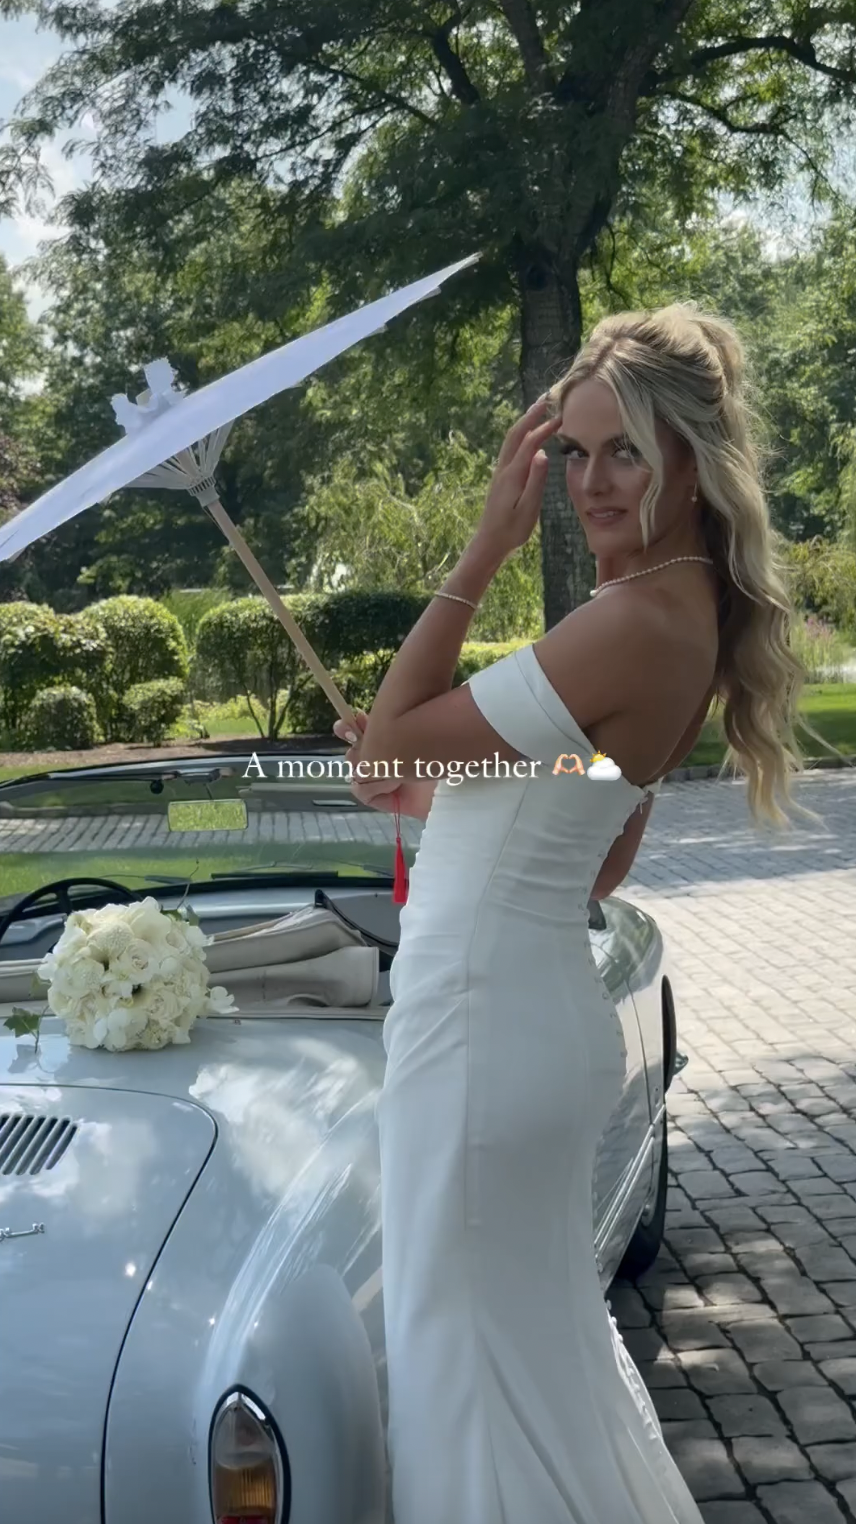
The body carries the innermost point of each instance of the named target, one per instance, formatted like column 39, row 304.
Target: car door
column 622, row 1172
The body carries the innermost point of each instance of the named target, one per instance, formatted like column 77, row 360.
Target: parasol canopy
column 174, row 440
column 164, row 422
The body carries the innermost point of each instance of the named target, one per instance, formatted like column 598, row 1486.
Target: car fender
column 307, row 1359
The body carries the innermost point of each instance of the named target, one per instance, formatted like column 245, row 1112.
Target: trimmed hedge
column 311, row 713
column 61, row 719
column 353, row 623
column 243, row 647
column 149, row 710
column 40, row 649
column 145, row 643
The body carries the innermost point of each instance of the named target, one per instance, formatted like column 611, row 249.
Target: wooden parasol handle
column 286, row 619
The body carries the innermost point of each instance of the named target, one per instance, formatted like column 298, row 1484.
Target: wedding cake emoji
column 603, row 767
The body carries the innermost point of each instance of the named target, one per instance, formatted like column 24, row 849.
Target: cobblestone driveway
column 745, row 1330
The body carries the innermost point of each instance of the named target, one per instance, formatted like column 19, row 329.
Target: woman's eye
column 572, row 451
column 628, row 448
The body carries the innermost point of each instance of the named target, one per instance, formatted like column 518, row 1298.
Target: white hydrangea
column 130, row 976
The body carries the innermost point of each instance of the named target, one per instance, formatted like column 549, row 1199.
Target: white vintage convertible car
column 191, row 1313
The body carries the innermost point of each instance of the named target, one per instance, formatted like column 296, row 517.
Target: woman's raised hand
column 516, row 492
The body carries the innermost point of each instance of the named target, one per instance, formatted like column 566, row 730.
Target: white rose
column 119, row 989
column 138, row 963
column 144, row 919
column 160, row 1004
column 91, row 1007
column 80, row 921
column 185, row 982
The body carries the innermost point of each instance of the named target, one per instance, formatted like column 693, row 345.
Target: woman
column 512, row 1398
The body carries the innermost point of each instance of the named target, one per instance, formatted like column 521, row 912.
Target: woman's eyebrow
column 566, row 439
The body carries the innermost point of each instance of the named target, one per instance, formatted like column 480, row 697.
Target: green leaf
column 184, row 914
column 37, row 987
column 24, row 1023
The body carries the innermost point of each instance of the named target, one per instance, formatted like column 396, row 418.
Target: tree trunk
column 551, row 324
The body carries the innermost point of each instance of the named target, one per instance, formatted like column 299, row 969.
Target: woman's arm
column 413, row 797
column 619, row 859
column 622, row 854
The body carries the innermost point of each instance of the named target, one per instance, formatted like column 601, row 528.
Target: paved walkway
column 745, row 1330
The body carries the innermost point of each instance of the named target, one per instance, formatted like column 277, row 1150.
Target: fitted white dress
column 512, row 1399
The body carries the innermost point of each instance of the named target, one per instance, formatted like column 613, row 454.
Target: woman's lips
column 606, row 515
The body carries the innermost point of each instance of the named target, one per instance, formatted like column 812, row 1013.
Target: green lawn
column 829, row 707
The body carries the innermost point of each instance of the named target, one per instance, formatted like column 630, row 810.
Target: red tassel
column 400, row 885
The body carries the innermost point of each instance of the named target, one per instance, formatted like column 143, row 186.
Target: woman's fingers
column 518, row 431
column 529, row 504
column 529, row 446
column 345, row 731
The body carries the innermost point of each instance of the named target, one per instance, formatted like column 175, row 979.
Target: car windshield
column 195, row 822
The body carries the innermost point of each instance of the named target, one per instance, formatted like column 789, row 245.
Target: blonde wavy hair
column 689, row 368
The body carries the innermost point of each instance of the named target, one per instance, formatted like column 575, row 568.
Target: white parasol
column 174, row 439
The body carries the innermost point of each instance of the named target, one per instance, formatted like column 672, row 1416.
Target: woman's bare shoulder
column 631, row 656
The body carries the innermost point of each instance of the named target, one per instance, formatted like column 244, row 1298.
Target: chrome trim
column 38, row 1227
column 643, row 1158
column 239, row 1399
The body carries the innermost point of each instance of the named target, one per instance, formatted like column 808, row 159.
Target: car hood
column 102, row 1175
column 291, row 1182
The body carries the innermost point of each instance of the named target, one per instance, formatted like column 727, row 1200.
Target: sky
column 25, row 54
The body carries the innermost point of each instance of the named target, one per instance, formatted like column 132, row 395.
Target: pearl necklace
column 706, row 561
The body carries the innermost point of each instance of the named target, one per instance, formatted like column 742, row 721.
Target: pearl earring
column 695, row 493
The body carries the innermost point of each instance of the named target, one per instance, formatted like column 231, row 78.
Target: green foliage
column 145, row 642
column 242, row 645
column 352, row 622
column 373, row 529
column 822, row 580
column 819, row 647
column 150, row 710
column 28, row 645
column 310, row 711
column 60, row 719
column 476, row 654
column 23, row 1023
column 41, row 649
column 190, row 605
column 389, row 141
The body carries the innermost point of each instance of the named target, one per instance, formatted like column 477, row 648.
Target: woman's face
column 607, row 477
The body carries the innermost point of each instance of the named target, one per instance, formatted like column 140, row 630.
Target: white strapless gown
column 512, row 1399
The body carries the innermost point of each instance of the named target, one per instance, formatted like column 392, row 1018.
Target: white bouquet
column 130, row 976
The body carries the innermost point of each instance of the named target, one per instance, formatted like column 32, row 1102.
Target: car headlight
column 247, row 1471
